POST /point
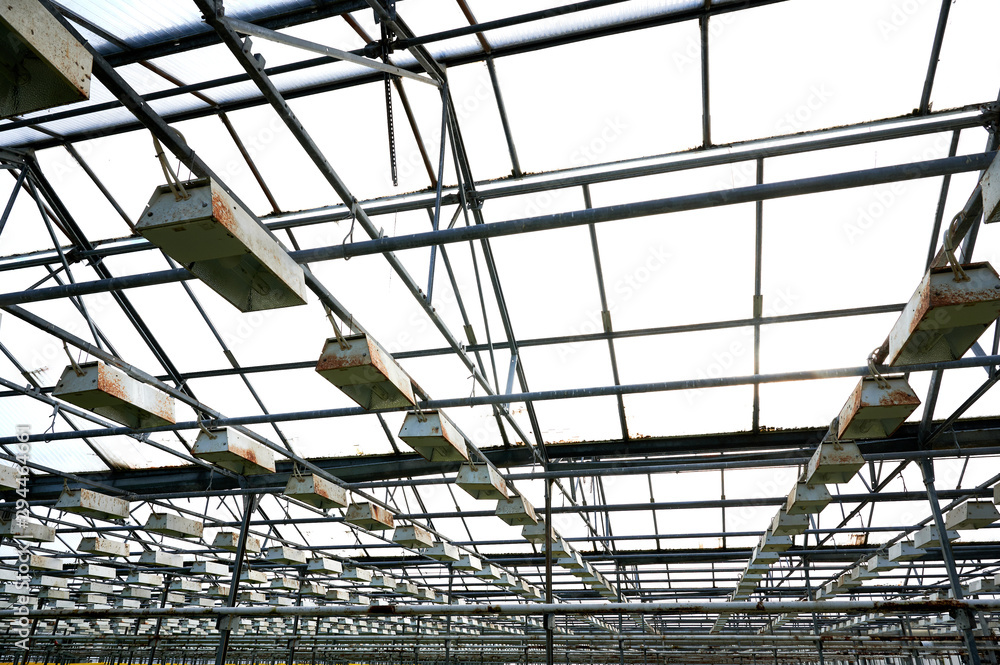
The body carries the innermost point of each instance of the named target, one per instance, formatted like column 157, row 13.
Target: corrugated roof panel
column 139, row 23
column 128, row 453
column 136, row 22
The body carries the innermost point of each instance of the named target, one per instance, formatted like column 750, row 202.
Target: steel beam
column 888, row 607
column 863, row 133
column 569, row 393
column 388, row 245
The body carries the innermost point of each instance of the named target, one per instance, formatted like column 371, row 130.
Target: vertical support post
column 447, row 627
column 438, row 186
column 963, row 620
column 13, row 196
column 722, row 482
column 758, row 299
column 984, row 627
column 969, row 244
column 515, row 164
column 925, row 96
column 905, row 626
column 295, row 624
column 606, row 316
column 548, row 619
column 706, row 118
column 249, row 504
column 815, row 621
column 159, row 620
column 942, row 201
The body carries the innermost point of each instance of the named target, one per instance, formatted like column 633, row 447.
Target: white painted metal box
column 875, row 409
column 169, row 524
column 516, row 511
column 482, row 482
column 103, row 546
column 434, row 437
column 365, row 372
column 45, row 65
column 110, row 392
column 944, row 317
column 369, row 516
column 92, row 504
column 233, row 450
column 412, row 535
column 316, row 491
column 834, row 462
column 223, row 245
column 972, row 514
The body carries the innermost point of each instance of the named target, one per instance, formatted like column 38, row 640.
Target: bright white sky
column 790, row 67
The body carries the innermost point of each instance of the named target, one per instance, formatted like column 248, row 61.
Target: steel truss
column 668, row 596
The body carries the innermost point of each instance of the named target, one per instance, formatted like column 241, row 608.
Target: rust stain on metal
column 164, row 407
column 249, row 454
column 898, row 398
column 337, row 361
column 949, row 297
column 376, row 356
column 853, row 403
column 222, row 213
column 111, row 383
column 381, row 514
column 382, row 609
column 921, row 309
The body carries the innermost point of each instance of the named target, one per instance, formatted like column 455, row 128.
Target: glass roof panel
column 802, row 78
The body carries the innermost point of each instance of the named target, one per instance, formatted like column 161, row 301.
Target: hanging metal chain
column 388, row 106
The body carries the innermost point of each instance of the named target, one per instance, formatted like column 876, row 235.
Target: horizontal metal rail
column 534, row 609
column 799, row 187
column 544, row 395
column 245, row 28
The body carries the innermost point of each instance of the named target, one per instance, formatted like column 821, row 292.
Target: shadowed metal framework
column 607, row 571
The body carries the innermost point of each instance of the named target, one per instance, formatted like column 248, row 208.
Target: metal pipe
column 173, row 45
column 758, row 298
column 863, row 133
column 706, row 117
column 942, row 201
column 927, row 468
column 569, row 393
column 249, row 505
column 501, row 107
column 12, row 198
column 438, row 184
column 386, row 245
column 605, row 314
column 245, row 28
column 549, row 619
column 154, row 638
column 564, row 339
column 537, row 609
column 800, row 187
column 925, row 96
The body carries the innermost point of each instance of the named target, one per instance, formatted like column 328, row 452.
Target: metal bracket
column 510, row 379
column 991, row 110
column 606, row 320
column 963, row 620
column 390, row 6
column 228, row 622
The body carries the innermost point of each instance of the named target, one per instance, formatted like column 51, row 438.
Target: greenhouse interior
column 681, row 366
